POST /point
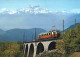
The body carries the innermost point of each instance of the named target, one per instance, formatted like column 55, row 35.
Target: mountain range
column 72, row 26
column 32, row 17
column 15, row 35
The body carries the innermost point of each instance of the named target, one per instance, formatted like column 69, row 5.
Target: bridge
column 31, row 49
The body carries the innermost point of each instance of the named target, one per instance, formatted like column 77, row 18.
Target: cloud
column 30, row 9
column 12, row 12
column 34, row 16
column 3, row 10
column 37, row 10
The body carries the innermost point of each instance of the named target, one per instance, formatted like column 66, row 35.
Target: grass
column 75, row 54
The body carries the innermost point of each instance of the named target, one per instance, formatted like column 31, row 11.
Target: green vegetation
column 68, row 46
column 50, row 54
column 11, row 49
column 60, row 46
column 71, row 40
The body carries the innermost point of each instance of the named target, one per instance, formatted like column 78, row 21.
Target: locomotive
column 54, row 34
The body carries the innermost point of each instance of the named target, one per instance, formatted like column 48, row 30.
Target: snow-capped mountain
column 34, row 16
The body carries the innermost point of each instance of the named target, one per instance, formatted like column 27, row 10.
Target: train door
column 54, row 34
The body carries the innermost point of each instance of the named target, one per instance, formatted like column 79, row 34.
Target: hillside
column 56, row 53
column 51, row 53
column 17, row 34
column 72, row 26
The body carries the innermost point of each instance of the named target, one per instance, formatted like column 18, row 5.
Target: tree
column 71, row 40
column 10, row 49
column 60, row 46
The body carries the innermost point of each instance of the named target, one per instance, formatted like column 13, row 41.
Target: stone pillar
column 28, row 50
column 45, row 46
column 35, row 49
column 24, row 48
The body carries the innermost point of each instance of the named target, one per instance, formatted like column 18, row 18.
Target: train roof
column 43, row 33
column 55, row 30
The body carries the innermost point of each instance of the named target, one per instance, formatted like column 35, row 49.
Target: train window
column 52, row 33
column 49, row 33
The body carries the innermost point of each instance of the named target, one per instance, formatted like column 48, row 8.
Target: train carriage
column 54, row 34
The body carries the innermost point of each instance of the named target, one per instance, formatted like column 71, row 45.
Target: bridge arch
column 40, row 48
column 52, row 46
column 31, row 50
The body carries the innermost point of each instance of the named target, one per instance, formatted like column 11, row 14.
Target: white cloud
column 12, row 12
column 43, row 11
column 3, row 10
column 36, row 10
column 30, row 9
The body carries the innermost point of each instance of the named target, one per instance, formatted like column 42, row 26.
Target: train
column 54, row 34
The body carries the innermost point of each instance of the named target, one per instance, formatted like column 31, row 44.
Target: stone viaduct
column 33, row 48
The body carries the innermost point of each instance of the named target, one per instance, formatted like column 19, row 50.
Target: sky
column 52, row 5
column 20, row 13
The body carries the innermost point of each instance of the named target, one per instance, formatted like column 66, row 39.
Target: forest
column 11, row 49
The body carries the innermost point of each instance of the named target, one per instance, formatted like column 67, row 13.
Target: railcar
column 54, row 34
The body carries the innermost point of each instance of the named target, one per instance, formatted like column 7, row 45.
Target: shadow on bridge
column 31, row 51
column 52, row 46
column 40, row 48
column 26, row 50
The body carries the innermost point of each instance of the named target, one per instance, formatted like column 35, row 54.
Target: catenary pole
column 63, row 26
column 75, row 22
